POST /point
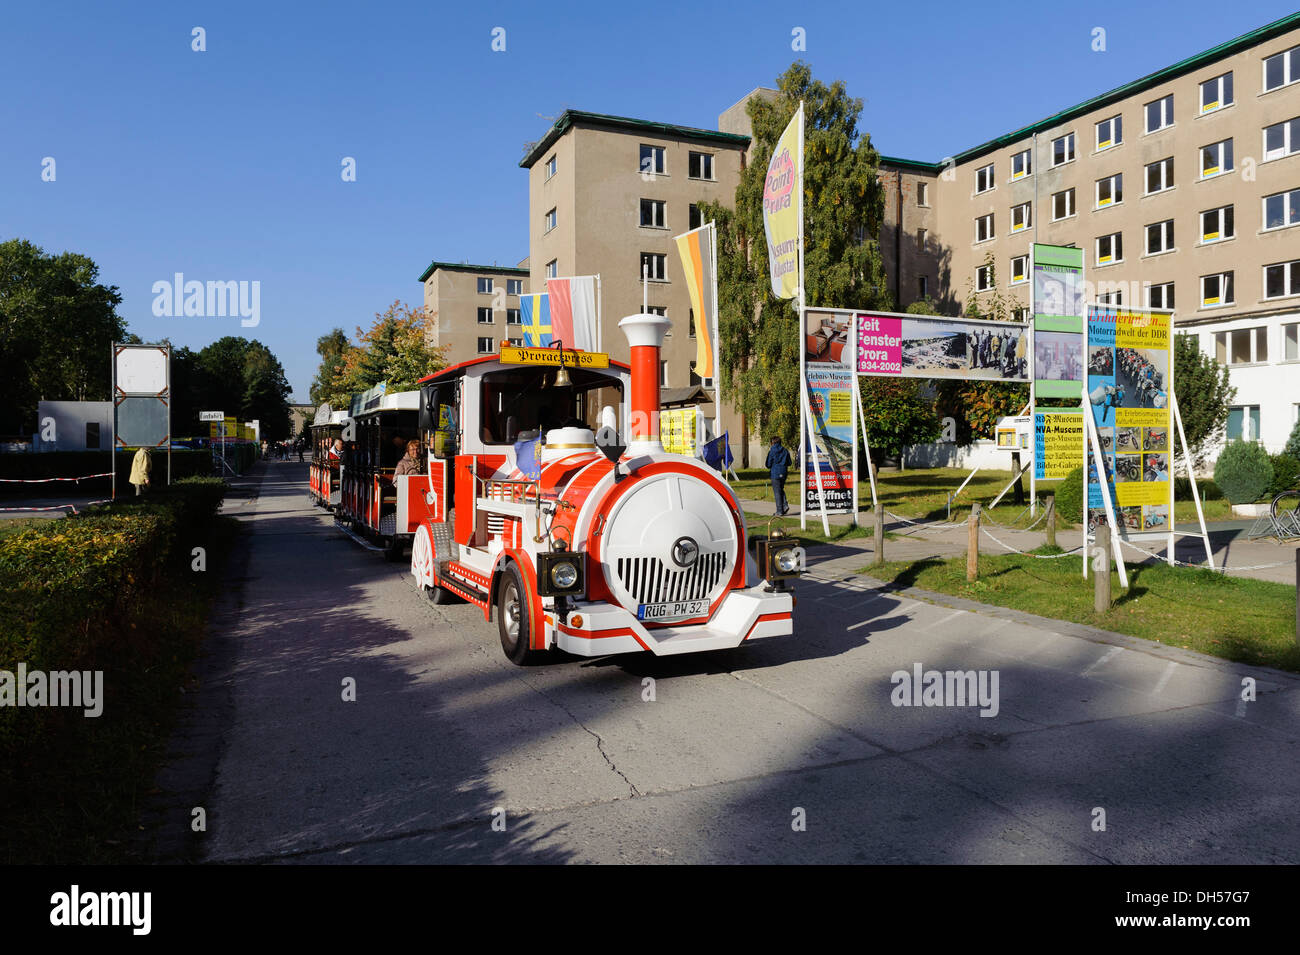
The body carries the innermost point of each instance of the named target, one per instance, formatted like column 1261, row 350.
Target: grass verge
column 1238, row 619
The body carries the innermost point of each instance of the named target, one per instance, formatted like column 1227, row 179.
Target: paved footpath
column 787, row 750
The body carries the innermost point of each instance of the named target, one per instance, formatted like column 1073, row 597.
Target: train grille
column 649, row 581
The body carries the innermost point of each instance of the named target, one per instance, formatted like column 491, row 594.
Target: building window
column 517, row 342
column 485, row 315
column 663, row 374
column 1114, row 297
column 1063, row 149
column 551, row 220
column 922, row 286
column 514, row 286
column 1160, row 175
column 1217, row 290
column 653, row 213
column 1110, row 249
column 1110, row 191
column 550, row 167
column 652, row 160
column 1242, row 346
column 1282, row 139
column 1022, row 216
column 699, row 166
column 1216, row 159
column 690, row 322
column 983, row 278
column 486, row 346
column 693, row 217
column 1282, row 279
column 922, row 194
column 1217, row 224
column 1282, row 69
column 1161, row 296
column 1290, row 343
column 485, row 286
column 514, row 317
column 1243, row 423
column 984, row 228
column 92, row 433
column 1062, row 205
column 1020, row 314
column 654, row 266
column 1282, row 209
column 1216, row 93
column 1160, row 237
column 984, row 179
column 922, row 238
column 1022, row 164
column 1019, row 269
column 553, row 268
column 1110, row 132
column 1160, row 113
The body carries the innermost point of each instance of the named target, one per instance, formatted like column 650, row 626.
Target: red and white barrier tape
column 47, row 480
column 56, row 507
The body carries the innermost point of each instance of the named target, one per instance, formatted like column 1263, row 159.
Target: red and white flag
column 573, row 311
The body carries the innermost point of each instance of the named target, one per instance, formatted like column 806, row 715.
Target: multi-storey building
column 1183, row 190
column 473, row 308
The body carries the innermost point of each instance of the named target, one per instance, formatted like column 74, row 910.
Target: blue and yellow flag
column 536, row 313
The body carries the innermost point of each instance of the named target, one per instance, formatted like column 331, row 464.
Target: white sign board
column 141, row 371
column 212, row 416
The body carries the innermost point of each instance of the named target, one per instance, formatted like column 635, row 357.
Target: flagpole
column 717, row 357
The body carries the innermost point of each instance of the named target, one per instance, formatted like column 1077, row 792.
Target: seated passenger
column 410, row 463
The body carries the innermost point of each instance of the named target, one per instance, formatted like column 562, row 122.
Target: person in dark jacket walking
column 778, row 464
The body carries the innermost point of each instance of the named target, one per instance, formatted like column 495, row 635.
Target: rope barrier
column 1180, row 563
column 1015, row 550
column 56, row 507
column 83, row 477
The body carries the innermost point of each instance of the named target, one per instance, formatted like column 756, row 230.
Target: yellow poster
column 1058, row 444
column 782, row 192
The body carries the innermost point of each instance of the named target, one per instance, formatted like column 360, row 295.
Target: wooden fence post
column 1050, row 518
column 879, row 518
column 973, row 543
column 1101, row 571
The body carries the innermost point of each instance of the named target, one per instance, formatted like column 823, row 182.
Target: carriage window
column 526, row 399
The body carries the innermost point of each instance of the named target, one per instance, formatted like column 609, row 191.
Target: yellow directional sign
column 513, row 355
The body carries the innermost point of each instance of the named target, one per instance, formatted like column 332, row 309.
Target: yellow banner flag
column 782, row 192
column 696, row 249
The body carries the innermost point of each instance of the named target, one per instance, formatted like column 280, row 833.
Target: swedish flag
column 536, row 313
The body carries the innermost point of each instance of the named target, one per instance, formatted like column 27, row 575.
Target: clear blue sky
column 225, row 165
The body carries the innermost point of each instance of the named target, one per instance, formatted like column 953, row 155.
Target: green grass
column 923, row 494
column 789, row 525
column 17, row 525
column 1239, row 619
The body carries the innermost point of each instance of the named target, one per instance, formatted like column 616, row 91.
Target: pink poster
column 880, row 345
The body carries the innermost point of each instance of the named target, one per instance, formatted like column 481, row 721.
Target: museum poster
column 921, row 346
column 1129, row 358
column 829, row 380
column 1058, row 310
column 1058, row 443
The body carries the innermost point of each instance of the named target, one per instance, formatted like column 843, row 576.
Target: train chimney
column 645, row 334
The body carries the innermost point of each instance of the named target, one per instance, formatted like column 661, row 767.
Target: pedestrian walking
column 141, row 466
column 778, row 465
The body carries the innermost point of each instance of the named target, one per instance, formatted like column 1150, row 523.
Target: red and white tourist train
column 548, row 499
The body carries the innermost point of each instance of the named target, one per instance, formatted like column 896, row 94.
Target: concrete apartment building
column 1183, row 190
column 473, row 308
column 607, row 194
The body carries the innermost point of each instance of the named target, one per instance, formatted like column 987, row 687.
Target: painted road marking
column 1105, row 658
column 1164, row 677
column 951, row 616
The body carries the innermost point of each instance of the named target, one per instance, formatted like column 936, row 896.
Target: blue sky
column 225, row 165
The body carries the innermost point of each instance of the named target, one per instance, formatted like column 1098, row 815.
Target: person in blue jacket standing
column 778, row 464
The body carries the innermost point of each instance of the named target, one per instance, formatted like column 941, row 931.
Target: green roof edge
column 462, row 267
column 570, row 116
column 1181, row 68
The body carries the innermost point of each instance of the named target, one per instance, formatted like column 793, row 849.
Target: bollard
column 879, row 518
column 973, row 543
column 1101, row 573
column 1297, row 601
column 1050, row 518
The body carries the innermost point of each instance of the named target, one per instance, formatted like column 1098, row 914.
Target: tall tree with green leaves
column 56, row 325
column 394, row 350
column 245, row 380
column 1204, row 395
column 759, row 337
column 331, row 347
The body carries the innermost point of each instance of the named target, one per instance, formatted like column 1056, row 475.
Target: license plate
column 673, row 610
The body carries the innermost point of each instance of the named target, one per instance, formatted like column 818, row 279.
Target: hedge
column 81, row 593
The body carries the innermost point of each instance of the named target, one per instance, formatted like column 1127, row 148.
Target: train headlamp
column 786, row 560
column 560, row 572
column 779, row 557
column 564, row 575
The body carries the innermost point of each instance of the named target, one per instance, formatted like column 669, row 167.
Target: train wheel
column 514, row 618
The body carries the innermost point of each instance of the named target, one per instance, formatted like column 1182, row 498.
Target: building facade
column 471, row 309
column 1183, row 190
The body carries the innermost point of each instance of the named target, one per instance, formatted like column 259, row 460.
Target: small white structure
column 73, row 426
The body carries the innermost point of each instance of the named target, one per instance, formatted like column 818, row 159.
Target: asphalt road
column 446, row 736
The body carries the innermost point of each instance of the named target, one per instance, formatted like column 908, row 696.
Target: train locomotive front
column 590, row 546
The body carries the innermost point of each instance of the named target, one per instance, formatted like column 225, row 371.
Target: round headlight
column 564, row 574
column 786, row 560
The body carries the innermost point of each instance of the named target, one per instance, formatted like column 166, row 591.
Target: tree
column 56, row 325
column 331, row 347
column 394, row 350
column 758, row 335
column 899, row 412
column 1203, row 393
column 243, row 378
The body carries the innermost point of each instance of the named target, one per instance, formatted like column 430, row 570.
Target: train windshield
column 522, row 400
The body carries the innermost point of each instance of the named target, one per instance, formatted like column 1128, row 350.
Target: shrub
column 1286, row 473
column 1069, row 497
column 1243, row 471
column 1209, row 491
column 1293, row 443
